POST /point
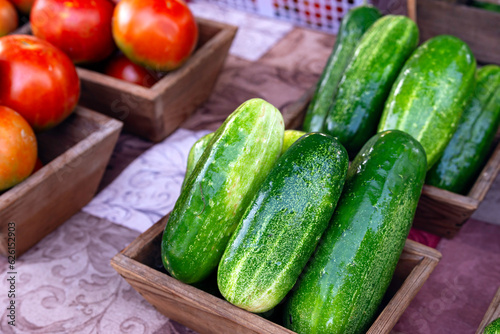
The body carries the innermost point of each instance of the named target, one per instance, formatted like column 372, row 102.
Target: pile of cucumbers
column 377, row 79
column 282, row 218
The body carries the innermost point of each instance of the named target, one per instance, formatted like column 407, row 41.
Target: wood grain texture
column 140, row 264
column 491, row 314
column 439, row 211
column 479, row 28
column 155, row 112
column 75, row 154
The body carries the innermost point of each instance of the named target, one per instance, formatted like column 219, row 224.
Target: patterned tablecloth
column 66, row 284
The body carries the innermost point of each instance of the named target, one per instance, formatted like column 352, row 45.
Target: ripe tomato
column 24, row 6
column 122, row 68
column 18, row 148
column 80, row 28
column 37, row 80
column 8, row 18
column 158, row 34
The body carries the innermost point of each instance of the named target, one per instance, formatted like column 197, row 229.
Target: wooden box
column 491, row 314
column 439, row 211
column 479, row 28
column 156, row 112
column 75, row 154
column 140, row 264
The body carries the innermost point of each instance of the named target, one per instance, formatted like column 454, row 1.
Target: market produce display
column 121, row 67
column 367, row 80
column 156, row 34
column 430, row 94
column 282, row 225
column 18, row 148
column 469, row 147
column 8, row 18
column 353, row 26
column 38, row 81
column 343, row 285
column 81, row 29
column 229, row 172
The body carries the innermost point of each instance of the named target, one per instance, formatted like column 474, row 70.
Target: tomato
column 24, row 6
column 80, row 28
column 8, row 18
column 157, row 34
column 122, row 68
column 37, row 80
column 18, row 148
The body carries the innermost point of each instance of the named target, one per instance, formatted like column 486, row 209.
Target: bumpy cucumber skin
column 282, row 225
column 493, row 327
column 430, row 94
column 345, row 280
column 352, row 28
column 466, row 154
column 291, row 137
column 194, row 155
column 366, row 83
column 239, row 156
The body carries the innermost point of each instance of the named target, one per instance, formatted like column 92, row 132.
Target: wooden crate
column 75, row 154
column 479, row 28
column 140, row 264
column 491, row 314
column 156, row 112
column 439, row 211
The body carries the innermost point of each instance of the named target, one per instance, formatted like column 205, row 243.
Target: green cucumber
column 430, row 94
column 366, row 82
column 486, row 5
column 345, row 280
column 466, row 154
column 291, row 137
column 353, row 26
column 493, row 327
column 282, row 225
column 237, row 159
column 195, row 153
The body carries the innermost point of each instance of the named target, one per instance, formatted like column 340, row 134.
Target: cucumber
column 194, row 155
column 466, row 154
column 283, row 224
column 353, row 26
column 345, row 280
column 291, row 137
column 431, row 93
column 239, row 156
column 493, row 327
column 377, row 60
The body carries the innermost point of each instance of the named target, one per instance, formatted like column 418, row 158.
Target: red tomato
column 8, row 18
column 122, row 68
column 24, row 6
column 158, row 34
column 37, row 80
column 80, row 28
column 18, row 148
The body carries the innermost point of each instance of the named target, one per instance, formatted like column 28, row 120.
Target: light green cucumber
column 283, row 223
column 291, row 137
column 353, row 26
column 237, row 159
column 430, row 94
column 195, row 153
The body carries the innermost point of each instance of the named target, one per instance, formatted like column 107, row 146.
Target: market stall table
column 65, row 284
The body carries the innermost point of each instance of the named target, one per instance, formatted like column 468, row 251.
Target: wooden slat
column 491, row 314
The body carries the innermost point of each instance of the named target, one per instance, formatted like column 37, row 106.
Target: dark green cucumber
column 366, row 82
column 486, row 5
column 466, row 154
column 237, row 159
column 194, row 155
column 353, row 26
column 343, row 284
column 493, row 327
column 430, row 94
column 291, row 137
column 283, row 224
